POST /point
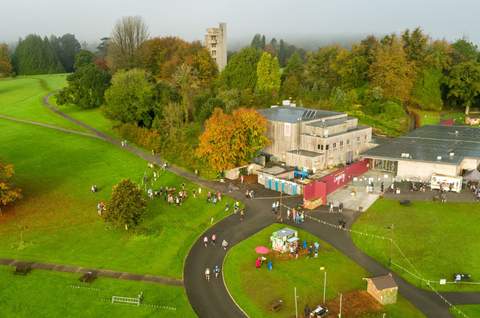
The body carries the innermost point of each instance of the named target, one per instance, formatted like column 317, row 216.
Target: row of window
column 334, row 145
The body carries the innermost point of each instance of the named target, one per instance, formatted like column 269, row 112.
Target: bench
column 276, row 305
column 88, row 277
column 22, row 268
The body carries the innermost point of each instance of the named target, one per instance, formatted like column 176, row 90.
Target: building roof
column 331, row 122
column 383, row 282
column 429, row 143
column 285, row 232
column 305, row 153
column 290, row 114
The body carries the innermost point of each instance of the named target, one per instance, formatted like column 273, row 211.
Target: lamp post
column 296, row 303
column 340, row 310
column 324, row 282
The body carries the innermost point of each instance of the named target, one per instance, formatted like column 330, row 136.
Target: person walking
column 205, row 241
column 214, row 239
column 340, row 207
column 330, row 207
column 242, row 214
column 224, row 244
column 207, row 274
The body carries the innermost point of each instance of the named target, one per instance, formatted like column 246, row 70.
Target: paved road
column 211, row 299
column 99, row 272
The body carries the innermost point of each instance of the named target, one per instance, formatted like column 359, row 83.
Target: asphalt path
column 211, row 299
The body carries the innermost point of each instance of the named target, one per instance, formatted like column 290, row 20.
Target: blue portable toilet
column 269, row 183
column 276, row 185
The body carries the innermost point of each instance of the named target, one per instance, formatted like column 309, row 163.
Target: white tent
column 473, row 175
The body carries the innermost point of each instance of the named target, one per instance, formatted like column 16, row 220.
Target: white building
column 439, row 150
column 216, row 44
column 314, row 139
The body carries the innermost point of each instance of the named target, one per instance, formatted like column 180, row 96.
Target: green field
column 22, row 98
column 438, row 239
column 254, row 289
column 469, row 310
column 52, row 294
column 56, row 221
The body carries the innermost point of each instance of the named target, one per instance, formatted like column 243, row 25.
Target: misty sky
column 90, row 20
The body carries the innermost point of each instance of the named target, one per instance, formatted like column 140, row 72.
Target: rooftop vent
column 405, row 155
column 439, row 158
column 451, row 154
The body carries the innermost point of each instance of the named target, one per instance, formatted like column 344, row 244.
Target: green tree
column 268, row 74
column 415, row 45
column 187, row 82
column 130, row 98
column 35, row 55
column 464, row 83
column 127, row 205
column 292, row 77
column 6, row 67
column 86, row 87
column 241, row 70
column 83, row 58
column 392, row 71
column 127, row 36
column 426, row 92
column 464, row 51
column 66, row 48
column 321, row 71
column 258, row 42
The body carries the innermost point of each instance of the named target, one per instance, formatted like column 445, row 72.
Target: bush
column 146, row 138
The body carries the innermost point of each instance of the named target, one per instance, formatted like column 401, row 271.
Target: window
column 321, row 147
column 214, row 53
column 334, row 145
column 318, row 147
column 341, row 143
column 214, row 45
column 348, row 141
column 326, row 147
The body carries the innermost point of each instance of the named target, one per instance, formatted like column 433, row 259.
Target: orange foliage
column 8, row 193
column 232, row 140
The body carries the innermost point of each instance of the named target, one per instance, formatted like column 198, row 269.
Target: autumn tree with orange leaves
column 232, row 140
column 8, row 193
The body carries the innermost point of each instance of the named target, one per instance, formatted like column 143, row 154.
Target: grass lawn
column 440, row 239
column 469, row 310
column 22, row 98
column 428, row 117
column 254, row 289
column 58, row 218
column 54, row 294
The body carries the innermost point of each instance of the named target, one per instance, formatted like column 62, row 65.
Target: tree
column 127, row 36
column 232, row 140
column 268, row 74
column 320, row 69
column 86, row 87
column 464, row 83
column 392, row 71
column 127, row 205
column 415, row 45
column 102, row 47
column 66, row 48
column 292, row 77
column 187, row 82
column 83, row 58
column 35, row 55
column 241, row 70
column 8, row 192
column 257, row 42
column 130, row 98
column 5, row 62
column 464, row 51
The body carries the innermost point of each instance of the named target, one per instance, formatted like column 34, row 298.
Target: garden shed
column 383, row 288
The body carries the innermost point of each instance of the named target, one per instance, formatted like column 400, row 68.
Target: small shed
column 383, row 288
column 284, row 239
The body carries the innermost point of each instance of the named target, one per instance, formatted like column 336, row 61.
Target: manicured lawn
column 57, row 217
column 22, row 98
column 469, row 310
column 439, row 239
column 428, row 117
column 54, row 294
column 254, row 289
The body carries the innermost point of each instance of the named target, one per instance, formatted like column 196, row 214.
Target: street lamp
column 324, row 282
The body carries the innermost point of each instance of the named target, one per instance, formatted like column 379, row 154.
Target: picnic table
column 88, row 277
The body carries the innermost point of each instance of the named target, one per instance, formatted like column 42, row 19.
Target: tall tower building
column 216, row 44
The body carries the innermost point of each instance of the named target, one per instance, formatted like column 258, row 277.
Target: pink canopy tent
column 262, row 250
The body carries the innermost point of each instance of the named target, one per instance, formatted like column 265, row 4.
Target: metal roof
column 290, row 114
column 331, row 122
column 440, row 144
column 305, row 153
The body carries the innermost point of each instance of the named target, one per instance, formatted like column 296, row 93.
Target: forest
column 161, row 91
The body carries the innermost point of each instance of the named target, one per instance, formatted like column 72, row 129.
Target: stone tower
column 216, row 44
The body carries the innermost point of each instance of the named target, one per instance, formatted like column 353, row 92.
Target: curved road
column 212, row 300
